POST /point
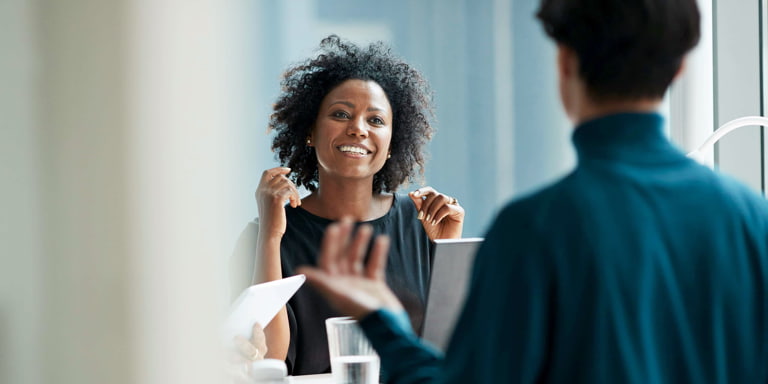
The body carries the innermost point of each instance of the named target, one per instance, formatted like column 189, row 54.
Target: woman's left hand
column 441, row 215
column 245, row 352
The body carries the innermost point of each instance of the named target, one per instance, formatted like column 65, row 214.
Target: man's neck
column 591, row 110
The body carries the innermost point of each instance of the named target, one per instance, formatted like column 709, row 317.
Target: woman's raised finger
column 270, row 174
column 420, row 197
column 441, row 214
column 433, row 201
column 282, row 188
column 437, row 203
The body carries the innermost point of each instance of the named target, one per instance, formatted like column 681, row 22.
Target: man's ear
column 567, row 62
column 681, row 69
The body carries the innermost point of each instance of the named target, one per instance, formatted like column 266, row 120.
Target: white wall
column 20, row 225
column 118, row 120
column 738, row 88
column 691, row 97
column 722, row 82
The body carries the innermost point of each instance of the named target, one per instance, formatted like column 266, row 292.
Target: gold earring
column 309, row 141
column 389, row 155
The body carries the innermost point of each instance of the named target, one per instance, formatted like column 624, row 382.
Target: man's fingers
column 319, row 279
column 330, row 248
column 341, row 259
column 355, row 296
column 377, row 263
column 345, row 239
column 335, row 244
column 359, row 248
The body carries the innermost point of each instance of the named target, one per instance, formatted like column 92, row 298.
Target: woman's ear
column 309, row 140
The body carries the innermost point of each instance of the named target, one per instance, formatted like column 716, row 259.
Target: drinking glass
column 353, row 360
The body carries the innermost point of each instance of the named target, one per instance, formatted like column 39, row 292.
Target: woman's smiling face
column 353, row 130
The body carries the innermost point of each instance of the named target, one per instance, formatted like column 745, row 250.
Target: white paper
column 259, row 304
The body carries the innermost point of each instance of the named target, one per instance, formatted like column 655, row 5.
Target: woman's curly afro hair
column 305, row 85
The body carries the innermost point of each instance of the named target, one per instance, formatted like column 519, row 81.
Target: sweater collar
column 630, row 137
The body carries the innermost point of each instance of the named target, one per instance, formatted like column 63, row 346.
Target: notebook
column 452, row 261
column 259, row 304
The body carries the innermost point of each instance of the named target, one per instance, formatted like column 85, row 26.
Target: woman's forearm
column 278, row 336
column 267, row 268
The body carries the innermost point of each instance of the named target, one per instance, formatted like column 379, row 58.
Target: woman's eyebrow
column 352, row 105
column 347, row 103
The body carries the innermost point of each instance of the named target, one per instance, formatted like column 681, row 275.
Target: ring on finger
column 453, row 201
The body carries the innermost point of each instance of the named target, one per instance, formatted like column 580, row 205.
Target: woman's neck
column 354, row 199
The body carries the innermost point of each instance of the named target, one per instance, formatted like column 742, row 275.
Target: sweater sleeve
column 404, row 357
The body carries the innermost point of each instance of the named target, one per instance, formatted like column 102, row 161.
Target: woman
column 351, row 128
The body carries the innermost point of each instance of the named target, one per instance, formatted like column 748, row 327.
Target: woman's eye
column 340, row 114
column 377, row 121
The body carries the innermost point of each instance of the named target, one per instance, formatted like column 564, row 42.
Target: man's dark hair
column 627, row 49
column 305, row 85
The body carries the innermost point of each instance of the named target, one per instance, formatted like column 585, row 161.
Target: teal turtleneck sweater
column 640, row 266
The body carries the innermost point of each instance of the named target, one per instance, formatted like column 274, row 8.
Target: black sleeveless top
column 407, row 274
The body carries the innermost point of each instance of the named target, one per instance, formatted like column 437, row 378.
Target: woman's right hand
column 274, row 189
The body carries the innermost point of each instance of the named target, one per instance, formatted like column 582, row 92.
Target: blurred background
column 133, row 137
column 494, row 139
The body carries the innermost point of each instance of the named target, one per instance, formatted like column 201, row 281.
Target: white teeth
column 353, row 149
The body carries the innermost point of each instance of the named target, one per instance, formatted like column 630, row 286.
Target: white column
column 185, row 78
column 692, row 96
column 20, row 226
column 504, row 100
column 118, row 120
column 738, row 88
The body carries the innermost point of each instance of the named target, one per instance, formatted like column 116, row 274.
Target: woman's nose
column 357, row 127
